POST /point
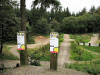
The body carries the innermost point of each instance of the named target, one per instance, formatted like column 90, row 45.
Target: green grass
column 92, row 48
column 79, row 54
column 7, row 55
column 91, row 62
column 61, row 38
column 92, row 68
column 81, row 38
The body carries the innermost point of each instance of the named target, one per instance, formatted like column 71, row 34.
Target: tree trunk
column 23, row 53
column 1, row 39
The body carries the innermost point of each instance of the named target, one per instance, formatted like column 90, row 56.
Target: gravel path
column 34, row 70
column 63, row 56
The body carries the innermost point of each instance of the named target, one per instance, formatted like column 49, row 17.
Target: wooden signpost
column 54, row 44
column 21, row 43
column 21, row 40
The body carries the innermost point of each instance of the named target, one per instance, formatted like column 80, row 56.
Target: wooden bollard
column 53, row 63
column 99, row 44
column 83, row 43
column 89, row 44
column 78, row 43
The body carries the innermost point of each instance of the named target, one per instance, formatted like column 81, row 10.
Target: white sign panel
column 54, row 42
column 20, row 41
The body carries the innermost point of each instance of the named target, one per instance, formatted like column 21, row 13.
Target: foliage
column 45, row 3
column 92, row 68
column 55, row 25
column 61, row 38
column 7, row 55
column 42, row 26
column 42, row 53
column 81, row 38
column 8, row 20
column 92, row 48
column 78, row 53
column 81, row 24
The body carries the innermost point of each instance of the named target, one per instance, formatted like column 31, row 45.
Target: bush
column 42, row 53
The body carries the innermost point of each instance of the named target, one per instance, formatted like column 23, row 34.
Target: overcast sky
column 73, row 5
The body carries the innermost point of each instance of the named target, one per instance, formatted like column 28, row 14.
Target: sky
column 73, row 5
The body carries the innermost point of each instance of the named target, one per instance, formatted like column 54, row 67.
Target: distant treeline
column 40, row 21
column 63, row 21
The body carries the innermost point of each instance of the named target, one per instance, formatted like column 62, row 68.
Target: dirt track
column 33, row 70
column 64, row 54
column 39, row 41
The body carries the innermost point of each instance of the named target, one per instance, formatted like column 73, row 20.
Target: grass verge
column 92, row 48
column 92, row 68
column 81, row 38
column 7, row 55
column 79, row 54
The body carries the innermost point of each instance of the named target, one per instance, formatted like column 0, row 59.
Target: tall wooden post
column 23, row 53
column 53, row 61
column 54, row 50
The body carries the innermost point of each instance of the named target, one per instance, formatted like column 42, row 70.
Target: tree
column 45, row 3
column 55, row 25
column 92, row 10
column 68, row 12
column 73, row 14
column 8, row 22
column 83, row 12
column 42, row 26
column 98, row 11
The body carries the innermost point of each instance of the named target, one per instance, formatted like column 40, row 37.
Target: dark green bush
column 42, row 53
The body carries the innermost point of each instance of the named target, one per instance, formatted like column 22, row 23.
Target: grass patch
column 79, row 54
column 81, row 38
column 92, row 68
column 61, row 38
column 7, row 55
column 92, row 48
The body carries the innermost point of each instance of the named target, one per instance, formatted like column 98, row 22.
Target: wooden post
column 99, row 44
column 83, row 43
column 89, row 44
column 53, row 61
column 54, row 43
column 23, row 53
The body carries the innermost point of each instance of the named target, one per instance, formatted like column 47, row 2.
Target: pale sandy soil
column 39, row 41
